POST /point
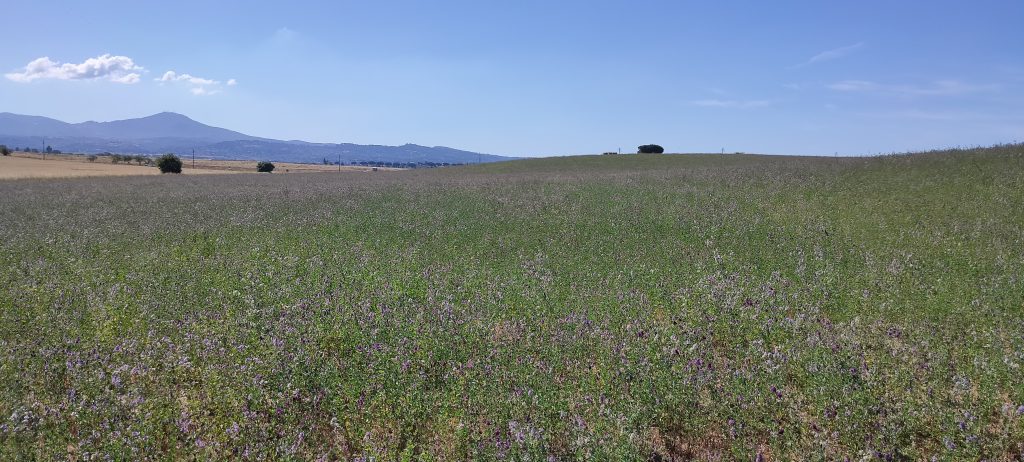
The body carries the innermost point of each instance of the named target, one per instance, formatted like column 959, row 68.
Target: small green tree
column 264, row 167
column 168, row 163
column 4, row 150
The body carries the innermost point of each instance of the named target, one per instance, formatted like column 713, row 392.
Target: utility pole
column 44, row 149
column 339, row 161
column 193, row 158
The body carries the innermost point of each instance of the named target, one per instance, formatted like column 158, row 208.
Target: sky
column 535, row 78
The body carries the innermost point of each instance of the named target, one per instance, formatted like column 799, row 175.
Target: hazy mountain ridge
column 171, row 132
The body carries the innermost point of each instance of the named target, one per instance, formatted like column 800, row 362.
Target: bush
column 264, row 167
column 168, row 163
column 92, row 157
column 650, row 149
column 4, row 150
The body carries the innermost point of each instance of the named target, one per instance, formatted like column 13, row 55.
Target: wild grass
column 605, row 308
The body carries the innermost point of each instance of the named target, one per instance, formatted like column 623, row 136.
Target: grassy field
column 602, row 308
column 24, row 165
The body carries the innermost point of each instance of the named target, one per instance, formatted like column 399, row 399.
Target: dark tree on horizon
column 650, row 149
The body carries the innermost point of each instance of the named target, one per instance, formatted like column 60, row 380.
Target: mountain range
column 171, row 132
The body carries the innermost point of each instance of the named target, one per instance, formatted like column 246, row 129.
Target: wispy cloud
column 284, row 34
column 199, row 86
column 943, row 115
column 119, row 69
column 854, row 85
column 835, row 53
column 747, row 104
column 936, row 88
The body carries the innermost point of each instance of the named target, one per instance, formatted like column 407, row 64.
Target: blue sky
column 532, row 78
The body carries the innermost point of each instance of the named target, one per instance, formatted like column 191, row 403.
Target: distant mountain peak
column 169, row 116
column 172, row 132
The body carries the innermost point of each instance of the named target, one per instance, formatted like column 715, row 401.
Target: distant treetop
column 650, row 149
column 264, row 167
column 169, row 163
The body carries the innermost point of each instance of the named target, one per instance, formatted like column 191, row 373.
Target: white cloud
column 834, row 54
column 936, row 88
column 199, row 86
column 199, row 91
column 119, row 69
column 731, row 103
column 171, row 76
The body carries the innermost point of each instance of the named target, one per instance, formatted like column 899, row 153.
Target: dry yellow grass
column 22, row 165
column 29, row 165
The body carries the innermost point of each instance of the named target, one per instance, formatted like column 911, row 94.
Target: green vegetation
column 604, row 308
column 168, row 163
column 4, row 150
column 264, row 167
column 650, row 149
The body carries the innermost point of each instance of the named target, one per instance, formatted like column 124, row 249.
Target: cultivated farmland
column 24, row 165
column 598, row 308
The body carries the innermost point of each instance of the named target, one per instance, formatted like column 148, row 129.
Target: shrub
column 168, row 163
column 264, row 167
column 5, row 150
column 92, row 157
column 650, row 149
